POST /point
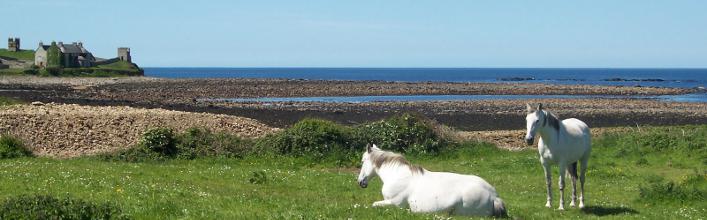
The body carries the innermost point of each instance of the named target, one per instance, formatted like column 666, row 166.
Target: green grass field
column 21, row 55
column 119, row 65
column 627, row 179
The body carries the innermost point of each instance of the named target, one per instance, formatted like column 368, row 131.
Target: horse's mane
column 381, row 157
column 552, row 120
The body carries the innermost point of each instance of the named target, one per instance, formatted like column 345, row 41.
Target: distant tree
column 53, row 56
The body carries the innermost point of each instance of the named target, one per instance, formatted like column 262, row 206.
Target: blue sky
column 391, row 33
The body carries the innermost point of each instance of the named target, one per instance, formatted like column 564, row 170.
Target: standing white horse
column 406, row 185
column 561, row 142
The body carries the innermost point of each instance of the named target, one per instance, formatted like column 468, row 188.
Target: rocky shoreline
column 188, row 95
column 96, row 115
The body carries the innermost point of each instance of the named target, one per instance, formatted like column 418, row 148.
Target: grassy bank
column 20, row 55
column 114, row 69
column 655, row 173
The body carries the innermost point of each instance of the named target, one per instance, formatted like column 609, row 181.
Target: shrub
column 11, row 147
column 405, row 133
column 197, row 142
column 312, row 138
column 32, row 70
column 159, row 140
column 309, row 137
column 163, row 143
column 48, row 207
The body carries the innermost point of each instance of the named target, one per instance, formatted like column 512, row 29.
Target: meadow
column 650, row 172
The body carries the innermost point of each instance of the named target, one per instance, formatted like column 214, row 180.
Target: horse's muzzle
column 363, row 183
column 529, row 141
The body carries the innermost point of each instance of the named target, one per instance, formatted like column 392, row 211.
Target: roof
column 71, row 48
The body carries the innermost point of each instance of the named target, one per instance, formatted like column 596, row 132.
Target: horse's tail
column 499, row 208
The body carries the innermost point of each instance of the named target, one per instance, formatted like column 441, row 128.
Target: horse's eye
column 537, row 120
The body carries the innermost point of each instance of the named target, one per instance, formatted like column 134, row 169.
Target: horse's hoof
column 581, row 205
column 561, row 208
column 572, row 204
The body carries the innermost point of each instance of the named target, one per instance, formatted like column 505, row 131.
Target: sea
column 651, row 77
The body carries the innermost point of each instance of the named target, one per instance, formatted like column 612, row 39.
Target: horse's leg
column 561, row 184
column 382, row 203
column 582, row 172
column 397, row 200
column 572, row 171
column 548, row 181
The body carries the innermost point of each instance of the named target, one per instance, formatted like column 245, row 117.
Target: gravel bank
column 59, row 130
column 185, row 95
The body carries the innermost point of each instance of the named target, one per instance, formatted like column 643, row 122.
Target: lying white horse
column 561, row 142
column 410, row 186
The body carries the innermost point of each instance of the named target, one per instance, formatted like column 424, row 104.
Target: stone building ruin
column 13, row 44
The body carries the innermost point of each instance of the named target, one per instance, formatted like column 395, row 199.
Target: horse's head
column 367, row 168
column 532, row 122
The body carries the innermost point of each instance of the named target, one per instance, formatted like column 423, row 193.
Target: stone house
column 72, row 55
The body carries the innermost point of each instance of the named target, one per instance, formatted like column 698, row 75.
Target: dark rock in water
column 652, row 80
column 633, row 80
column 570, row 79
column 516, row 78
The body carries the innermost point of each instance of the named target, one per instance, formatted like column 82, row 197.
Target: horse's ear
column 540, row 106
column 368, row 147
column 530, row 108
column 375, row 147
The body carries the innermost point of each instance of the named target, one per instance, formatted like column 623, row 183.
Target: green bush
column 163, row 143
column 11, row 147
column 310, row 137
column 32, row 70
column 197, row 142
column 404, row 133
column 159, row 140
column 48, row 207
